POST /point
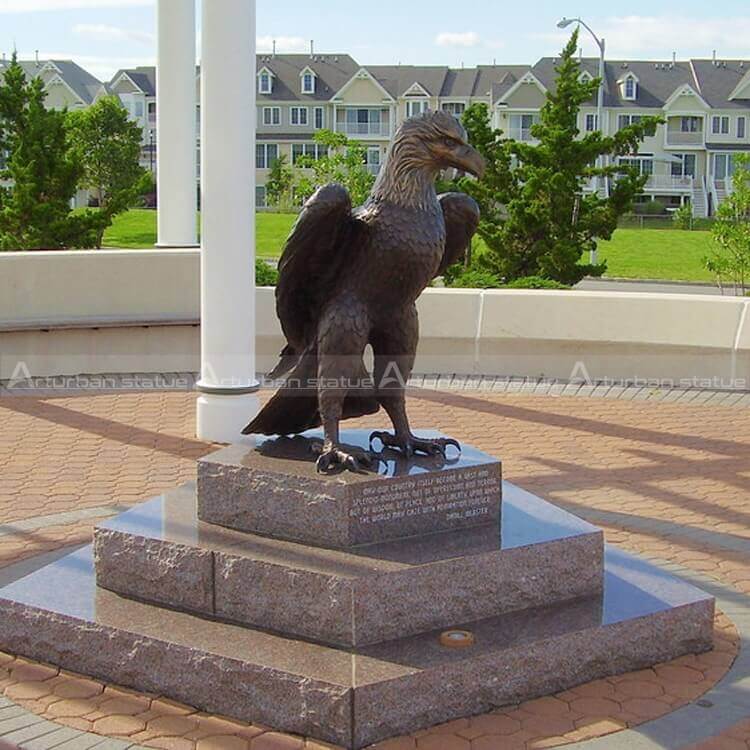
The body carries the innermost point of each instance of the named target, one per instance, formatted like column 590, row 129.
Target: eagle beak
column 468, row 159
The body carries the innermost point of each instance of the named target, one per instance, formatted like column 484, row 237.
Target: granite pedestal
column 334, row 628
column 162, row 553
column 274, row 490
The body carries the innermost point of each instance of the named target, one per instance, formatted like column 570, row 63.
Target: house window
column 685, row 167
column 723, row 166
column 457, row 109
column 298, row 116
column 416, row 107
column 264, row 82
column 690, row 124
column 644, row 164
column 630, row 88
column 308, row 83
column 314, row 150
column 520, row 126
column 624, row 121
column 260, row 196
column 372, row 159
column 272, row 115
column 265, row 155
column 591, row 123
column 362, row 121
column 320, row 121
column 720, row 125
column 740, row 127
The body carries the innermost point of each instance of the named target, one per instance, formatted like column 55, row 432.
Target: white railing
column 724, row 186
column 679, row 138
column 714, row 194
column 669, row 182
column 364, row 128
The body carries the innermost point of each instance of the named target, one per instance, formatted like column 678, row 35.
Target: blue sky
column 104, row 35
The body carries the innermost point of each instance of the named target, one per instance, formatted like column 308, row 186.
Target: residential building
column 690, row 158
column 67, row 84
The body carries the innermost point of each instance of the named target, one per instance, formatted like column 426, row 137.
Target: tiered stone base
column 348, row 644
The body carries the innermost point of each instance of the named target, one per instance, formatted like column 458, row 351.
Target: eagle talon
column 333, row 457
column 412, row 444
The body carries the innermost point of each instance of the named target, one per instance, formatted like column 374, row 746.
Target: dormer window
column 630, row 88
column 265, row 81
column 308, row 81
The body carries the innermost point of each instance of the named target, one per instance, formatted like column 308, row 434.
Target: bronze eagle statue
column 350, row 278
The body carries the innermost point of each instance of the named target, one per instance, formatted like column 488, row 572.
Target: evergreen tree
column 35, row 208
column 107, row 146
column 536, row 219
column 280, row 184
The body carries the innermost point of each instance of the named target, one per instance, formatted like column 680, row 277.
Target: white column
column 176, row 183
column 227, row 383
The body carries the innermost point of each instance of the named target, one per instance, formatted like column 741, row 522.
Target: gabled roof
column 657, row 80
column 495, row 80
column 718, row 82
column 332, row 72
column 416, row 89
column 398, row 79
column 364, row 74
column 527, row 78
column 685, row 90
column 742, row 89
column 79, row 81
column 143, row 78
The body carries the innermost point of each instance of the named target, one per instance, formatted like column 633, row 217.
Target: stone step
column 352, row 697
column 274, row 490
column 160, row 552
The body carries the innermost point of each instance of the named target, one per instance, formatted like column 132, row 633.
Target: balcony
column 364, row 128
column 678, row 138
column 670, row 182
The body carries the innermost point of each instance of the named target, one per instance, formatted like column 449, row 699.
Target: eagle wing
column 310, row 263
column 461, row 214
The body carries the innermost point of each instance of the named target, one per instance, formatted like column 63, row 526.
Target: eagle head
column 436, row 141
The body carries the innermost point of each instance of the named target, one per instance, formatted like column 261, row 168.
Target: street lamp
column 564, row 23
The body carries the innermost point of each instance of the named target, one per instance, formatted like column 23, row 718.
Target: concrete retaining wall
column 137, row 311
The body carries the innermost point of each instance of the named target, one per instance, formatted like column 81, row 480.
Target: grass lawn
column 137, row 229
column 657, row 254
column 631, row 253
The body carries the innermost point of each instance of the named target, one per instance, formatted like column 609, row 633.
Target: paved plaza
column 668, row 478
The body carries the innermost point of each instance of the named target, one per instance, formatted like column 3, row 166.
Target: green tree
column 280, row 184
column 42, row 176
column 536, row 218
column 107, row 145
column 731, row 232
column 344, row 162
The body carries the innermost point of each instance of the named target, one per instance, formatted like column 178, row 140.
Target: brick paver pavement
column 671, row 480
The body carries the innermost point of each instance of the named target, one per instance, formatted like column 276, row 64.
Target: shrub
column 650, row 208
column 474, row 278
column 683, row 217
column 535, row 282
column 265, row 275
